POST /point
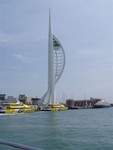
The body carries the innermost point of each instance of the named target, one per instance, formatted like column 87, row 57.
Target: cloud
column 19, row 56
column 7, row 38
column 88, row 52
column 27, row 58
column 22, row 58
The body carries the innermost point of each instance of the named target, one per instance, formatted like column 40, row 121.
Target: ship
column 9, row 108
column 54, row 107
column 101, row 104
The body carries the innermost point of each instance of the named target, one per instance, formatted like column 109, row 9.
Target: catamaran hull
column 54, row 107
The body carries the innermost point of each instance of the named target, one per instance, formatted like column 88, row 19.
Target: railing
column 18, row 146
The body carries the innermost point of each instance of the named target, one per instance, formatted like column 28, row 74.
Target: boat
column 54, row 107
column 9, row 108
column 101, row 104
column 2, row 110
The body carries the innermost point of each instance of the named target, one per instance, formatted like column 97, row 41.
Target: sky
column 85, row 29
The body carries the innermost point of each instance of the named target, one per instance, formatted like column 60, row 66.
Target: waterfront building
column 2, row 97
column 22, row 98
column 28, row 100
column 10, row 99
column 70, row 103
column 35, row 101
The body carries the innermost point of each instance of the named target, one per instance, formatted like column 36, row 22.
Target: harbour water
column 81, row 129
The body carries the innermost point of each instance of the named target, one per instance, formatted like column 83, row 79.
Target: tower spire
column 51, row 80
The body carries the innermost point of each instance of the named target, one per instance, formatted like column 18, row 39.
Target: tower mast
column 51, row 76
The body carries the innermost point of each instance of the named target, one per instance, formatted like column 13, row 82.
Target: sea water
column 80, row 129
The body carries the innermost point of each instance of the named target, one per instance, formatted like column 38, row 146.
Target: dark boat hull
column 100, row 106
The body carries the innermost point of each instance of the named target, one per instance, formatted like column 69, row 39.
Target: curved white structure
column 56, row 64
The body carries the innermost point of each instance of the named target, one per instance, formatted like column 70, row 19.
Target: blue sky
column 85, row 29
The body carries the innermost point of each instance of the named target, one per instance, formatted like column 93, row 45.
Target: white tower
column 56, row 63
column 51, row 76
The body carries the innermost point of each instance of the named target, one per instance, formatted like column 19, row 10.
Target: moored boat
column 8, row 108
column 2, row 110
column 54, row 107
column 101, row 104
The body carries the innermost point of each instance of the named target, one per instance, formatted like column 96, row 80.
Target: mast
column 51, row 78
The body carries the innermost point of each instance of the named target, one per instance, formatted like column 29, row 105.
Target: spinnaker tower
column 56, row 64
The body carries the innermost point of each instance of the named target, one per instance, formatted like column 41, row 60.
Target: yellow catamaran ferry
column 8, row 108
column 54, row 107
